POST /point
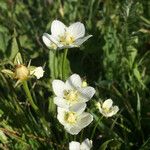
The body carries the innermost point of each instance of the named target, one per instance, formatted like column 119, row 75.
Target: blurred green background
column 115, row 61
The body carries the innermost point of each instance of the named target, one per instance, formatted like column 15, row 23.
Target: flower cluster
column 71, row 98
column 65, row 37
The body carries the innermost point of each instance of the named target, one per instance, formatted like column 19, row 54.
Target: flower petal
column 78, row 42
column 74, row 82
column 60, row 115
column 58, row 87
column 77, row 30
column 74, row 145
column 74, row 130
column 107, row 103
column 57, row 28
column 60, row 102
column 86, row 93
column 47, row 41
column 85, row 119
column 38, row 72
column 78, row 108
column 115, row 109
column 86, row 144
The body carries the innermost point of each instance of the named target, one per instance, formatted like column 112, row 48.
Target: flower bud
column 21, row 72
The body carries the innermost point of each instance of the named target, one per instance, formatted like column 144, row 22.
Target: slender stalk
column 64, row 63
column 27, row 91
column 36, row 109
column 92, row 135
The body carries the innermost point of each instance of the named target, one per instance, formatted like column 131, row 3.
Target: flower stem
column 92, row 135
column 64, row 63
column 36, row 109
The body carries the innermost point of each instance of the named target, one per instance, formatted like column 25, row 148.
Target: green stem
column 96, row 127
column 36, row 109
column 64, row 63
column 27, row 91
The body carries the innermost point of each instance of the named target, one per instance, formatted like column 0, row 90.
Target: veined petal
column 85, row 119
column 115, row 109
column 78, row 108
column 86, row 93
column 86, row 144
column 76, row 30
column 53, row 41
column 58, row 28
column 74, row 130
column 60, row 115
column 73, row 82
column 47, row 40
column 107, row 103
column 58, row 87
column 60, row 102
column 74, row 145
column 38, row 72
column 78, row 42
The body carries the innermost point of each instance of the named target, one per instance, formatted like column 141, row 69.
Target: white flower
column 65, row 37
column 38, row 72
column 74, row 121
column 85, row 145
column 71, row 92
column 106, row 108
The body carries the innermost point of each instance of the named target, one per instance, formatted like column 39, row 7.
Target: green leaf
column 14, row 48
column 105, row 144
column 3, row 137
column 18, row 59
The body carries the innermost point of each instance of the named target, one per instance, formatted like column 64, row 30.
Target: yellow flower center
column 21, row 72
column 106, row 110
column 70, row 117
column 71, row 95
column 67, row 39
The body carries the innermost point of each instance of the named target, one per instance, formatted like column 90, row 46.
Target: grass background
column 115, row 61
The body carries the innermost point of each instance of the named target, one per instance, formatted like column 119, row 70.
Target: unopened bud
column 21, row 72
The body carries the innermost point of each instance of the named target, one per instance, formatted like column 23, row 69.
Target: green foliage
column 115, row 61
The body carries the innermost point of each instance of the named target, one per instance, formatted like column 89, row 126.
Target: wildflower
column 85, row 145
column 65, row 37
column 71, row 92
column 106, row 108
column 74, row 121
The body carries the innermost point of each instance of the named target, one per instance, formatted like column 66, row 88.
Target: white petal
column 73, row 82
column 58, row 87
column 73, row 130
column 60, row 115
column 107, row 103
column 86, row 93
column 57, row 28
column 74, row 145
column 78, row 108
column 86, row 144
column 38, row 72
column 47, row 40
column 78, row 42
column 115, row 109
column 54, row 41
column 77, row 30
column 60, row 102
column 85, row 119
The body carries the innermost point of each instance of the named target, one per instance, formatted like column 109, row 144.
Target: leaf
column 14, row 48
column 105, row 144
column 18, row 59
column 3, row 137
